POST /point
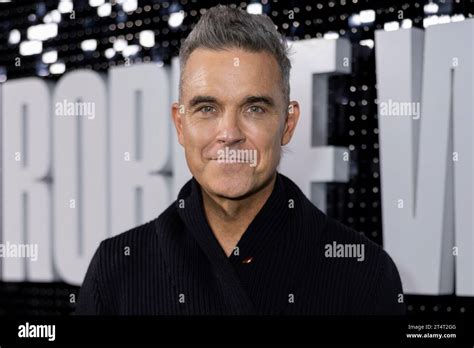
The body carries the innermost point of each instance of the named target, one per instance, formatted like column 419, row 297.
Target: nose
column 230, row 132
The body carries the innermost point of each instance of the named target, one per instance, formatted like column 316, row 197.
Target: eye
column 207, row 109
column 254, row 109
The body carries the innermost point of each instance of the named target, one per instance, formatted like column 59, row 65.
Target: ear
column 291, row 121
column 178, row 113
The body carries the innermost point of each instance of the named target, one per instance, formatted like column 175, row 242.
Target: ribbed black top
column 174, row 265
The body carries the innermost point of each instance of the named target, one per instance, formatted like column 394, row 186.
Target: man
column 240, row 238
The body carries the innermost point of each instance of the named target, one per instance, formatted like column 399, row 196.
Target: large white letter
column 80, row 171
column 310, row 162
column 140, row 142
column 427, row 159
column 26, row 198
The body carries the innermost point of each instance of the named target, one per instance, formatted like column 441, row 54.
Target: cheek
column 267, row 141
column 197, row 134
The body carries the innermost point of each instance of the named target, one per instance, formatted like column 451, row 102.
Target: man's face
column 232, row 99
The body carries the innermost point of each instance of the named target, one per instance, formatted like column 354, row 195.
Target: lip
column 216, row 157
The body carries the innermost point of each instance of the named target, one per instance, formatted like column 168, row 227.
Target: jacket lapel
column 279, row 245
column 277, row 242
column 235, row 297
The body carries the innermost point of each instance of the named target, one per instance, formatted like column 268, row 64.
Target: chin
column 230, row 183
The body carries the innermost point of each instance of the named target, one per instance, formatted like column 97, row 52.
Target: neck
column 230, row 218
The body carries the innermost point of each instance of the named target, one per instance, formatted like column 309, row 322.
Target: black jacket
column 286, row 264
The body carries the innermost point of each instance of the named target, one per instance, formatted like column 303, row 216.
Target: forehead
column 231, row 72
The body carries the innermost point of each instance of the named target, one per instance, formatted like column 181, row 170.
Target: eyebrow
column 259, row 99
column 199, row 99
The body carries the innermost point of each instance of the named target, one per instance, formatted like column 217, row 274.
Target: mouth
column 232, row 157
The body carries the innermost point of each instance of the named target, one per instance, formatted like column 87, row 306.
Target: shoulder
column 341, row 242
column 323, row 228
column 143, row 235
column 119, row 252
column 128, row 251
column 366, row 265
column 340, row 249
column 134, row 235
column 335, row 231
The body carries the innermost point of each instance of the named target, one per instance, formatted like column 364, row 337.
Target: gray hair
column 223, row 27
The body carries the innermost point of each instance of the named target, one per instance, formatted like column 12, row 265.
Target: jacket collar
column 265, row 241
column 263, row 228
